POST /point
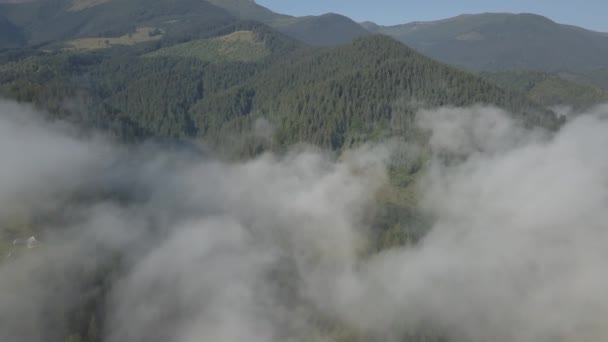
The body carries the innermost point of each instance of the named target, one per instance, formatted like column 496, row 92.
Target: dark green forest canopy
column 332, row 97
column 344, row 95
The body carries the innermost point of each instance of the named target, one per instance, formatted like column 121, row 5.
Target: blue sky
column 592, row 14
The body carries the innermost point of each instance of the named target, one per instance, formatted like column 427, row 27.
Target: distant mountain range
column 532, row 58
column 325, row 30
column 46, row 21
column 501, row 41
column 10, row 35
column 484, row 42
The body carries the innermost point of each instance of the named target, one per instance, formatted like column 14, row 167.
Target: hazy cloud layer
column 517, row 252
column 257, row 250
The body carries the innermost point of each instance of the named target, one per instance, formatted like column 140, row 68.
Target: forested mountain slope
column 56, row 20
column 10, row 35
column 597, row 77
column 550, row 89
column 128, row 90
column 324, row 30
column 346, row 95
column 332, row 97
column 249, row 9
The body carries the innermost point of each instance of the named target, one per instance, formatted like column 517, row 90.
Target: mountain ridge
column 10, row 35
column 500, row 41
column 52, row 20
column 314, row 30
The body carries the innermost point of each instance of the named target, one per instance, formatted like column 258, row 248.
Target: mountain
column 56, row 20
column 500, row 41
column 239, row 46
column 10, row 35
column 348, row 95
column 550, row 90
column 597, row 77
column 325, row 30
column 59, row 20
column 248, row 9
column 371, row 26
column 334, row 97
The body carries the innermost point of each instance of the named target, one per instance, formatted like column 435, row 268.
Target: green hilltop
column 350, row 94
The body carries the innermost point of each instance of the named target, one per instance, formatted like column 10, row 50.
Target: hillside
column 56, row 20
column 361, row 91
column 549, row 89
column 249, row 10
column 499, row 41
column 10, row 35
column 59, row 20
column 239, row 46
column 597, row 77
column 325, row 30
column 330, row 97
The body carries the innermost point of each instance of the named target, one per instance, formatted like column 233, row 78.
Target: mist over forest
column 181, row 246
column 193, row 170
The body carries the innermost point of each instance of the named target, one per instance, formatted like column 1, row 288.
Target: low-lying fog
column 265, row 249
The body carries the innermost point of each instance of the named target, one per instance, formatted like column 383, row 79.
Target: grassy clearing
column 240, row 46
column 79, row 5
column 142, row 34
